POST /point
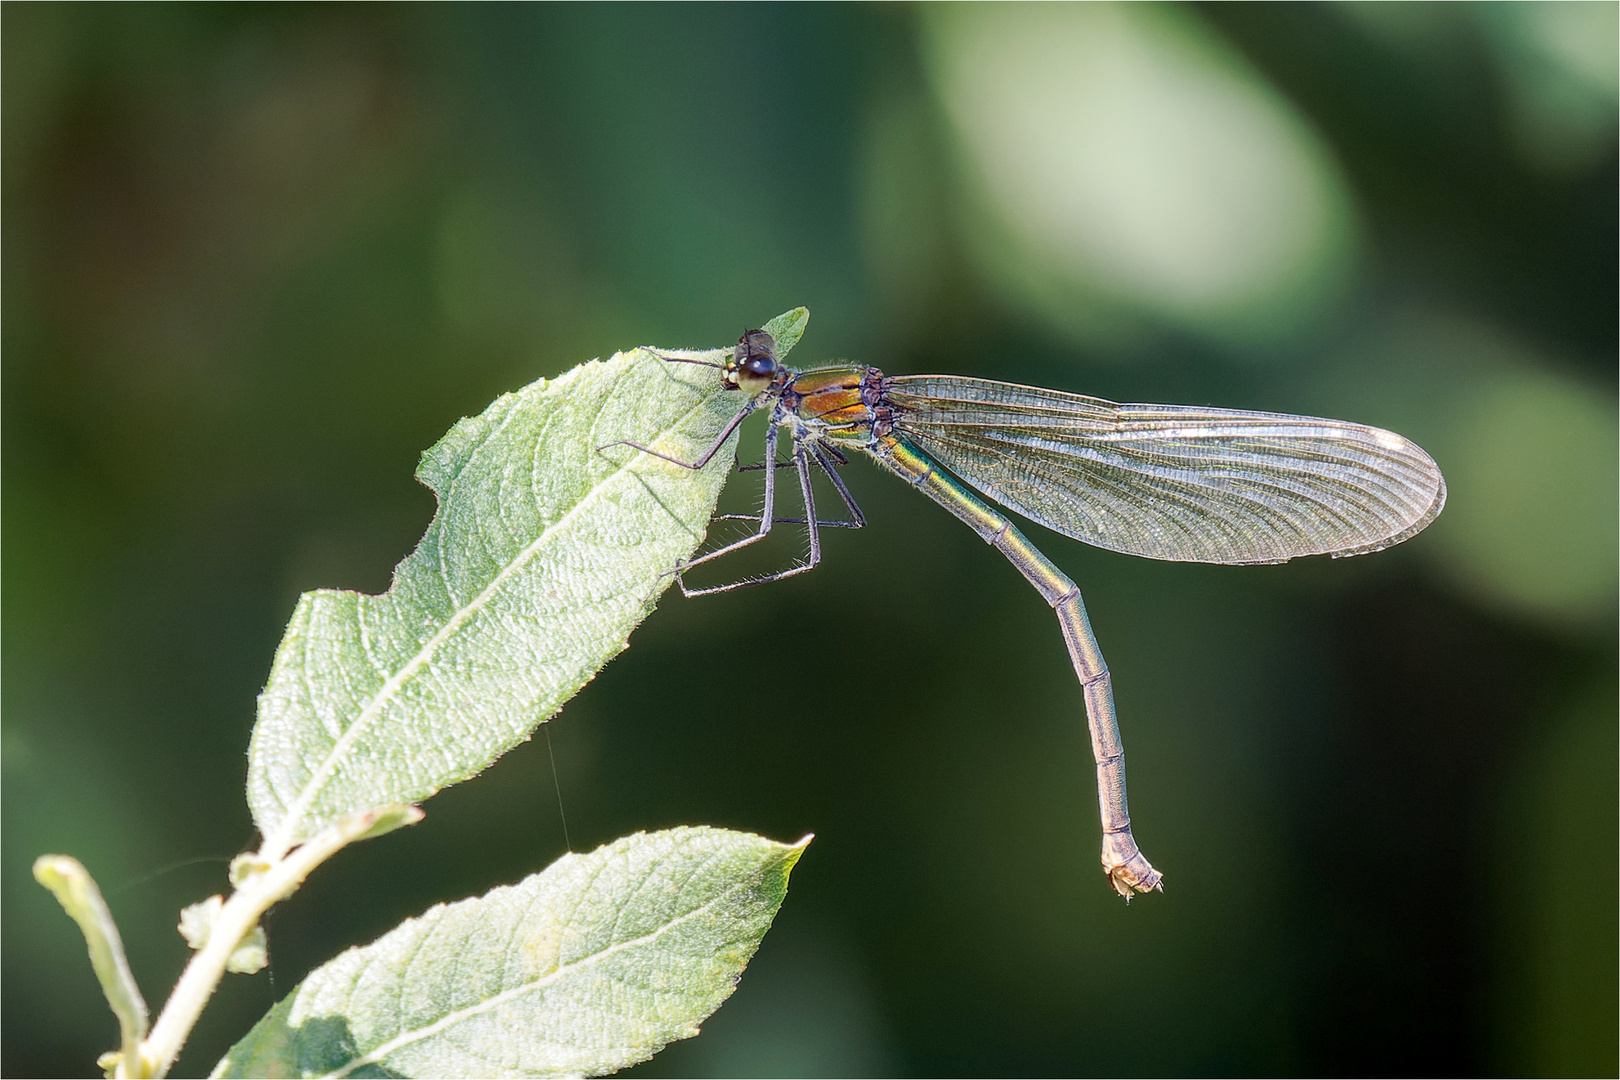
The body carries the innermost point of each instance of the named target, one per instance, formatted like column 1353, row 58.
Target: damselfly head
column 753, row 364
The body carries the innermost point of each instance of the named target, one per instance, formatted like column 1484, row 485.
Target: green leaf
column 544, row 555
column 596, row 963
column 787, row 328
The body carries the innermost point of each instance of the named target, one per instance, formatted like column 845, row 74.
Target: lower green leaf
column 592, row 965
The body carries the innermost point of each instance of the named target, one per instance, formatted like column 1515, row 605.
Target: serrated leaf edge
column 789, row 853
column 286, row 831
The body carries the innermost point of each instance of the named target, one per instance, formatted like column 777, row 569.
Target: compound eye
column 756, row 368
column 756, row 373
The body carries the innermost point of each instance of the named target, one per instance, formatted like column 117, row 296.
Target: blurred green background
column 256, row 258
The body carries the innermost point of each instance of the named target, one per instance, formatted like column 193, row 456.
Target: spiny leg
column 703, row 458
column 823, row 451
column 765, row 520
column 668, row 359
column 801, row 462
column 825, row 458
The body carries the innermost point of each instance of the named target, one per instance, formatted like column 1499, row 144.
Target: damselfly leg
column 804, row 451
column 829, row 460
column 703, row 458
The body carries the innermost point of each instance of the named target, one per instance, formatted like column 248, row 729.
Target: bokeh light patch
column 1132, row 160
column 1530, row 521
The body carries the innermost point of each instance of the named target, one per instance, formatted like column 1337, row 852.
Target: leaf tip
column 787, row 328
column 54, row 871
column 789, row 854
column 385, row 819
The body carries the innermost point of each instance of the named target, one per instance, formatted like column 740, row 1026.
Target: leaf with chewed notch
column 592, row 965
column 550, row 545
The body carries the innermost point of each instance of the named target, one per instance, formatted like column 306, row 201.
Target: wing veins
column 1213, row 467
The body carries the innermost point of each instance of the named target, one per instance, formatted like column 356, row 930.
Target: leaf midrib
column 283, row 835
column 451, row 1019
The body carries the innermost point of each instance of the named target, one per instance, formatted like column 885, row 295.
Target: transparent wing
column 1170, row 481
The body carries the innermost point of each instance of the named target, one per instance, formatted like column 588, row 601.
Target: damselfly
column 1163, row 481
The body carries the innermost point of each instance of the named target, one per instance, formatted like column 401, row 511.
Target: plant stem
column 267, row 884
column 77, row 892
